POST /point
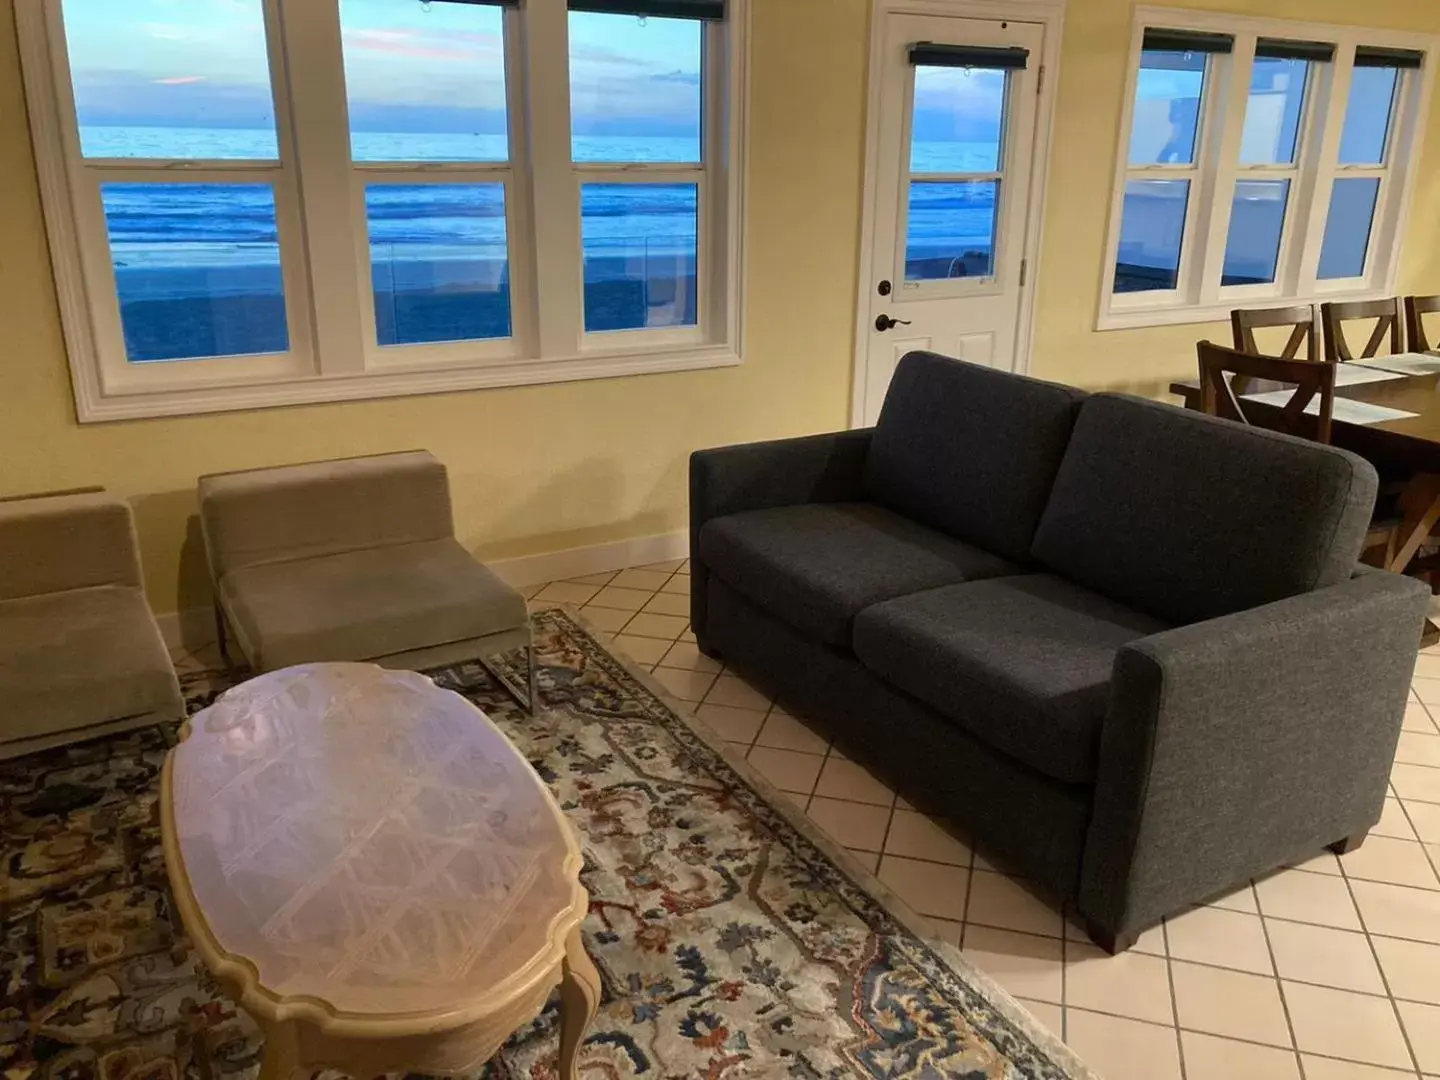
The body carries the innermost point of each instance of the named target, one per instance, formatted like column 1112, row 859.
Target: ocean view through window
column 228, row 207
column 1263, row 162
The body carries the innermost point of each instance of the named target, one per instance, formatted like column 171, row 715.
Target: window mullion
column 320, row 126
column 554, row 189
column 1321, row 168
column 1225, row 127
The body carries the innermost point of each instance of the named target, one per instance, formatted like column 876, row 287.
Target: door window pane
column 951, row 231
column 1347, row 228
column 1368, row 114
column 1257, row 225
column 158, row 79
column 634, row 88
column 1151, row 232
column 959, row 120
column 197, row 268
column 439, row 264
column 1274, row 111
column 640, row 254
column 1168, row 92
column 426, row 82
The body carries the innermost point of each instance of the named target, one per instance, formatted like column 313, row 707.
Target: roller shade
column 709, row 10
column 1380, row 56
column 1278, row 49
column 1187, row 41
column 981, row 56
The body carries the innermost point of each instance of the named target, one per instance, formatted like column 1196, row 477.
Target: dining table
column 1392, row 419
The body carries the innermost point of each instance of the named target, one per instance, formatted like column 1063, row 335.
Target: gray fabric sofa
column 1126, row 646
column 80, row 652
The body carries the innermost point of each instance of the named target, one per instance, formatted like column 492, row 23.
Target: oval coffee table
column 374, row 873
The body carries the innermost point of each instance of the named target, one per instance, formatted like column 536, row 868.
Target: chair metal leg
column 530, row 667
column 222, row 639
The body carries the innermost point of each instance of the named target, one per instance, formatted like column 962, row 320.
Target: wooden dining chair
column 1221, row 367
column 1334, row 316
column 1416, row 307
column 1303, row 321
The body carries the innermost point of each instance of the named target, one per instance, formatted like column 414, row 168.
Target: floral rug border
column 940, row 960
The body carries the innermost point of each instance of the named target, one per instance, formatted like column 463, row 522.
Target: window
column 1263, row 162
column 956, row 163
column 393, row 222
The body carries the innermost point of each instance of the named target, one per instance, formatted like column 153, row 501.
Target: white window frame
column 334, row 355
column 1199, row 296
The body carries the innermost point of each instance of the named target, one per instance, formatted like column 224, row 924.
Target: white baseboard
column 193, row 628
column 596, row 559
column 190, row 628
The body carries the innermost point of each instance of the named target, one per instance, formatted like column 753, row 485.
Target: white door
column 957, row 125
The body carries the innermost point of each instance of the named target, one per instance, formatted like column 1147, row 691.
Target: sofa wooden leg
column 1350, row 843
column 1114, row 944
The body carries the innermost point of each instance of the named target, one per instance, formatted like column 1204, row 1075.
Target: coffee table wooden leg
column 579, row 998
column 282, row 1059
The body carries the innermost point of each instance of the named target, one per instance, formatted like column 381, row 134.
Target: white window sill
column 1133, row 318
column 93, row 406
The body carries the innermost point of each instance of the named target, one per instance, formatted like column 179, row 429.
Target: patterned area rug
column 732, row 939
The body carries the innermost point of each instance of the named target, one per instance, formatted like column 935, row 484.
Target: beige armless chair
column 80, row 653
column 352, row 560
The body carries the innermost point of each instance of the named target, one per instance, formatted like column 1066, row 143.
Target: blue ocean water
column 198, row 265
column 234, row 224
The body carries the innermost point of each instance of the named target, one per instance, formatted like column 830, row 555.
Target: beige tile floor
column 1329, row 970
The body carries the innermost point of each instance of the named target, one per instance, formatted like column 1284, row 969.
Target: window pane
column 1257, row 223
column 640, row 254
column 1168, row 92
column 154, row 78
column 1347, row 228
column 1274, row 111
column 1368, row 115
column 959, row 120
column 634, row 88
column 951, row 230
column 197, row 267
column 1151, row 232
column 426, row 82
column 438, row 262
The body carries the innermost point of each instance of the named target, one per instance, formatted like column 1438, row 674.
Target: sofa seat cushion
column 818, row 566
column 364, row 605
column 1022, row 663
column 75, row 659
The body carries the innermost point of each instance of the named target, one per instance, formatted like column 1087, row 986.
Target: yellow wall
column 1082, row 167
column 543, row 468
column 533, row 469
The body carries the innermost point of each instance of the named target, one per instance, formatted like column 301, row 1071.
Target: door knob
column 885, row 322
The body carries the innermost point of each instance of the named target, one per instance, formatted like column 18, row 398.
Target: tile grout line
column 1384, row 979
column 1424, row 847
column 1279, row 983
column 1174, row 997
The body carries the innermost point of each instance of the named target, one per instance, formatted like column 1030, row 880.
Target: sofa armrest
column 1243, row 742
column 56, row 543
column 758, row 476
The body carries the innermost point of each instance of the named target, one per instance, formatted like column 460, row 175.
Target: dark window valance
column 1278, row 49
column 1381, row 56
column 710, row 10
column 982, row 56
column 1187, row 41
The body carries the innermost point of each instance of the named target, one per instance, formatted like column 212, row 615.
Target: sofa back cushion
column 1188, row 517
column 969, row 450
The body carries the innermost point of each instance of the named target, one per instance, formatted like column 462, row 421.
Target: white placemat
column 1401, row 364
column 1345, row 410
